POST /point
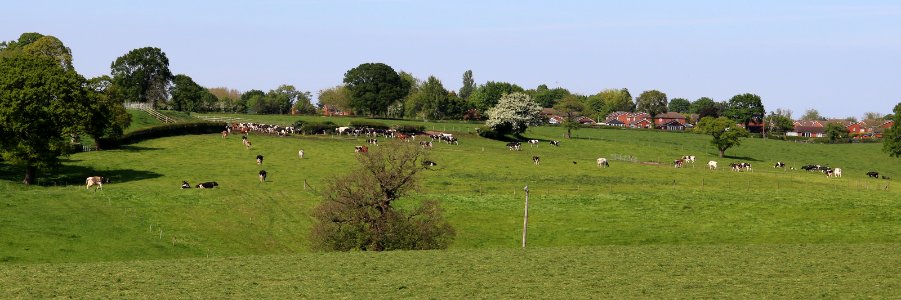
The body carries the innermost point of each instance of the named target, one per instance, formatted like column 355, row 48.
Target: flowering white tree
column 513, row 113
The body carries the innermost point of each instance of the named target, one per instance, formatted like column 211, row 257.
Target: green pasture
column 639, row 218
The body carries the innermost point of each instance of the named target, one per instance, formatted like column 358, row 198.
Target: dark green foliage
column 143, row 75
column 358, row 213
column 187, row 95
column 109, row 119
column 570, row 108
column 779, row 124
column 835, row 132
column 469, row 85
column 680, row 105
column 167, row 130
column 745, row 108
column 547, row 97
column 892, row 136
column 725, row 134
column 652, row 102
column 298, row 124
column 409, row 129
column 317, row 127
column 368, row 124
column 486, row 96
column 706, row 107
column 373, row 87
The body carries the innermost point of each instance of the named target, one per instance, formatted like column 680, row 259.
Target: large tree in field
column 706, row 107
column 143, row 75
column 187, row 95
column 358, row 211
column 745, row 108
column 652, row 102
column 724, row 132
column 41, row 104
column 109, row 119
column 513, row 114
column 373, row 87
column 337, row 97
column 469, row 85
column 570, row 108
column 891, row 142
column 487, row 95
column 681, row 105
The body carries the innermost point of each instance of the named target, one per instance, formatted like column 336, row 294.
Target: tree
column 487, row 95
column 547, row 97
column 835, row 132
column 143, row 75
column 41, row 102
column 469, row 85
column 427, row 101
column 652, row 102
column 187, row 95
column 108, row 119
column 872, row 115
column 373, row 87
column 725, row 134
column 681, row 105
column 778, row 123
column 891, row 142
column 513, row 114
column 282, row 99
column 785, row 112
column 706, row 107
column 255, row 101
column 337, row 98
column 229, row 99
column 571, row 109
column 611, row 100
column 745, row 108
column 303, row 104
column 358, row 211
column 812, row 115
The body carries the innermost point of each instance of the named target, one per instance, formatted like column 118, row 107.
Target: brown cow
column 96, row 180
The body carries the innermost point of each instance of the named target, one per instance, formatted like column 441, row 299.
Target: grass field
column 660, row 222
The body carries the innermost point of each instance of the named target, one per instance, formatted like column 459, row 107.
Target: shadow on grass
column 741, row 158
column 74, row 175
column 132, row 148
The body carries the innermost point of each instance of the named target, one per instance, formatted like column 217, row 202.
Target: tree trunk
column 569, row 133
column 722, row 153
column 29, row 175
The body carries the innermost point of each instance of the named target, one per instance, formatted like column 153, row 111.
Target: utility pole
column 525, row 218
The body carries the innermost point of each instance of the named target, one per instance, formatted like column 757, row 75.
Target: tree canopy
column 891, row 143
column 778, row 123
column 513, row 114
column 812, row 115
column 143, row 75
column 681, row 105
column 373, row 87
column 835, row 132
column 570, row 108
column 706, row 107
column 745, row 108
column 335, row 97
column 652, row 102
column 469, row 85
column 487, row 95
column 108, row 119
column 724, row 132
column 548, row 97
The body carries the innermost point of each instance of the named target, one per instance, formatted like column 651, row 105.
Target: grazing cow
column 185, row 185
column 711, row 165
column 224, row 134
column 602, row 162
column 536, row 160
column 745, row 166
column 829, row 172
column 425, row 144
column 96, row 180
column 689, row 158
column 779, row 164
column 361, row 149
column 533, row 143
column 300, row 153
column 837, row 172
column 678, row 163
column 373, row 141
column 555, row 143
column 809, row 167
column 263, row 175
column 429, row 163
column 514, row 146
column 247, row 143
column 873, row 174
column 207, row 185
column 259, row 159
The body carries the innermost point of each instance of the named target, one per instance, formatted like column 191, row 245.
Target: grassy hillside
column 143, row 214
column 655, row 271
column 140, row 120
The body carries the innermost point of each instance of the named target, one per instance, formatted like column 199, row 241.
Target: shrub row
column 166, row 130
column 368, row 124
column 410, row 129
column 316, row 127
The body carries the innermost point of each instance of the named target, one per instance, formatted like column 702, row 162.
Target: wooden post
column 304, row 184
column 525, row 218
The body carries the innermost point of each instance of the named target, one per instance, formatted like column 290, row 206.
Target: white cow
column 689, row 158
column 300, row 153
column 602, row 162
column 95, row 180
column 837, row 172
column 533, row 143
column 711, row 165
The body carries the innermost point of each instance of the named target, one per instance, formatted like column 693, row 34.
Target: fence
column 149, row 109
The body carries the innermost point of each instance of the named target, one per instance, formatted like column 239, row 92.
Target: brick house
column 667, row 118
column 807, row 129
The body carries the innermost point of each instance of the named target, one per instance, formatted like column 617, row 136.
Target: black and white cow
column 873, row 174
column 602, row 162
column 779, row 164
column 514, row 146
column 207, row 185
column 429, row 163
column 555, row 143
column 373, row 141
column 533, row 143
column 263, row 175
column 536, row 160
column 185, row 185
column 259, row 159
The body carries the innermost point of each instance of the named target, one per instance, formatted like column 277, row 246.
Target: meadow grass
column 576, row 209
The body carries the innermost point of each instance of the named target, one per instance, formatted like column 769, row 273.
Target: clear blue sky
column 841, row 57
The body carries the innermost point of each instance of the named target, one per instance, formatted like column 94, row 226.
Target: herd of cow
column 246, row 128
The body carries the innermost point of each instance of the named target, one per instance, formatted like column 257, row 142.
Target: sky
column 842, row 58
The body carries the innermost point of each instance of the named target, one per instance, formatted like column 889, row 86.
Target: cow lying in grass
column 207, row 185
column 185, row 185
column 96, row 180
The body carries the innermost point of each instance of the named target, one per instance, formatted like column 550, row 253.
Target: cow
column 602, row 162
column 185, row 185
column 829, row 172
column 678, row 163
column 373, row 142
column 514, row 146
column 536, row 160
column 555, row 143
column 711, row 165
column 809, row 167
column 425, row 144
column 361, row 149
column 873, row 174
column 263, row 175
column 95, row 180
column 689, row 158
column 207, row 185
column 533, row 143
column 429, row 163
column 779, row 164
column 837, row 172
column 300, row 153
column 246, row 142
column 224, row 134
column 259, row 159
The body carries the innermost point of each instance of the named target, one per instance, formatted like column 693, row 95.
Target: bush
column 410, row 129
column 299, row 123
column 368, row 124
column 488, row 133
column 166, row 130
column 317, row 127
